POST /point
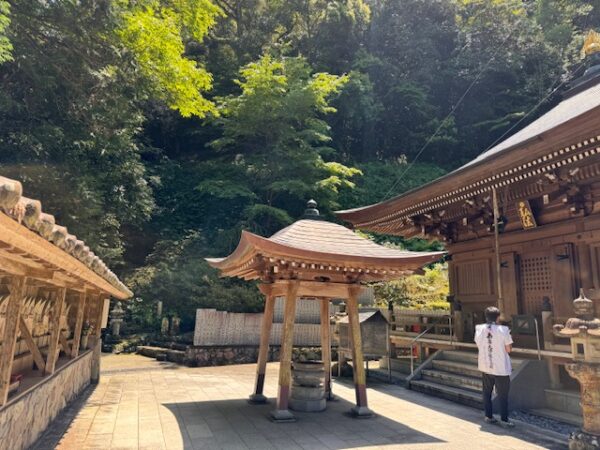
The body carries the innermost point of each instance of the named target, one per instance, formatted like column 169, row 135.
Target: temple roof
column 32, row 243
column 577, row 115
column 316, row 245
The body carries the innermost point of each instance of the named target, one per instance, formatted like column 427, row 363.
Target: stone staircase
column 453, row 375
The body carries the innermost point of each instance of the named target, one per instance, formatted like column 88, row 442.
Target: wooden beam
column 78, row 324
column 360, row 381
column 281, row 412
column 17, row 289
column 326, row 345
column 30, row 243
column 33, row 348
column 313, row 289
column 64, row 343
column 17, row 268
column 55, row 332
column 263, row 351
column 97, row 321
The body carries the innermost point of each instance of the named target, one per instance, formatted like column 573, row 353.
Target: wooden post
column 358, row 365
column 53, row 348
column 497, row 251
column 96, row 341
column 35, row 351
column 326, row 345
column 78, row 325
column 282, row 413
column 9, row 341
column 263, row 351
column 62, row 339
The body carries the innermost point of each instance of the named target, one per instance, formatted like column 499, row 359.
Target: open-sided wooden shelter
column 316, row 259
column 546, row 179
column 53, row 289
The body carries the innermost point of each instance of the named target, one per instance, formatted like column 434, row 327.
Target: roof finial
column 311, row 211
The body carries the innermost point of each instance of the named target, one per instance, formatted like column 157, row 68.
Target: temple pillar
column 282, row 413
column 17, row 289
column 326, row 345
column 360, row 381
column 263, row 352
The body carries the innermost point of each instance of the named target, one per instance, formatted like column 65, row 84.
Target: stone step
column 458, row 395
column 563, row 400
column 383, row 375
column 452, row 379
column 460, row 356
column 398, row 365
column 459, row 368
column 561, row 416
column 467, row 357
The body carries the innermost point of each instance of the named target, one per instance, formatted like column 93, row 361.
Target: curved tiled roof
column 322, row 242
column 580, row 104
column 29, row 213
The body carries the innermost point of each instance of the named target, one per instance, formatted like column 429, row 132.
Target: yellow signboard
column 525, row 214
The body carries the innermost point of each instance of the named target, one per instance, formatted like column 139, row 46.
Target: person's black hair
column 491, row 314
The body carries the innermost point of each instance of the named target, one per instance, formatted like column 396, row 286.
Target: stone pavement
column 143, row 404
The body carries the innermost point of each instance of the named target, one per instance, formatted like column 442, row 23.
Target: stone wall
column 26, row 416
column 224, row 355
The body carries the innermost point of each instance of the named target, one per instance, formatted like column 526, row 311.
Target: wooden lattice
column 536, row 282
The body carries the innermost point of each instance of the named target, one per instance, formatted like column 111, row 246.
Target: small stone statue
column 174, row 331
column 164, row 326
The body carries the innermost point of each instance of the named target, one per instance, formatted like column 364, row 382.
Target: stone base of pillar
column 282, row 416
column 580, row 440
column 361, row 412
column 257, row 399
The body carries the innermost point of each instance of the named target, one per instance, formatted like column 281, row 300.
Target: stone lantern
column 116, row 318
column 584, row 332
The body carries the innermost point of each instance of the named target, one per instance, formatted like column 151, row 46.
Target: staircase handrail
column 412, row 344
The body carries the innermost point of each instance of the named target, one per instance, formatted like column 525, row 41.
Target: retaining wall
column 25, row 417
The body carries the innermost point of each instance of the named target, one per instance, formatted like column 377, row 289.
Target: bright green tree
column 154, row 33
column 5, row 45
column 275, row 129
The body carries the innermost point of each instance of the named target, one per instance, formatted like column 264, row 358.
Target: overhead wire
column 459, row 102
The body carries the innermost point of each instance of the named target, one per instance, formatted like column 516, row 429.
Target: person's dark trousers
column 502, row 384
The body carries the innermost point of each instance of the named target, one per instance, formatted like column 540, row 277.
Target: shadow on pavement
column 60, row 425
column 531, row 434
column 235, row 423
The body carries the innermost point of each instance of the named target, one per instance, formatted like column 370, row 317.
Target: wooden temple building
column 323, row 261
column 54, row 296
column 546, row 181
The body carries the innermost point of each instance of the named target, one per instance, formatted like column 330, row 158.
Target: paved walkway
column 144, row 404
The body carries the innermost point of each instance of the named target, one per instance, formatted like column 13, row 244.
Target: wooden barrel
column 308, row 388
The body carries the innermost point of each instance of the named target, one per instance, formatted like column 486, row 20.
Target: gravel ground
column 543, row 422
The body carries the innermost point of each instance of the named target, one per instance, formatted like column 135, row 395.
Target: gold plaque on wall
column 525, row 214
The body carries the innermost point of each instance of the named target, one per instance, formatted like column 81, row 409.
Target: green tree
column 153, row 33
column 427, row 291
column 275, row 130
column 5, row 45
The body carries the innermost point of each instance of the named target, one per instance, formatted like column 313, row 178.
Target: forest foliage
column 157, row 130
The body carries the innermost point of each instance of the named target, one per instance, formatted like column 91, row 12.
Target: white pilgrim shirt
column 491, row 341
